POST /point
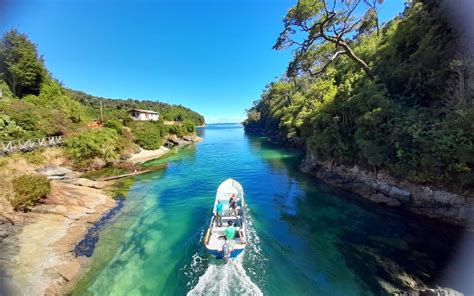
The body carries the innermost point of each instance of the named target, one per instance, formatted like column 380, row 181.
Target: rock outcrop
column 36, row 254
column 385, row 189
column 174, row 140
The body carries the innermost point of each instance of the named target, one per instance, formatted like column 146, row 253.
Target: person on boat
column 233, row 205
column 229, row 232
column 219, row 212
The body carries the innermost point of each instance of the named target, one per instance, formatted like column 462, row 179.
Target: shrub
column 189, row 126
column 98, row 143
column 176, row 130
column 114, row 124
column 28, row 190
column 149, row 135
column 8, row 128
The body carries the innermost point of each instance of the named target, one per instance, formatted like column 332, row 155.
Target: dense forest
column 33, row 105
column 396, row 96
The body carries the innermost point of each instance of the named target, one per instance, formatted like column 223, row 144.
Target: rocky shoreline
column 41, row 251
column 37, row 252
column 383, row 188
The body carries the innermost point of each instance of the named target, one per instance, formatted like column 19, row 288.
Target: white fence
column 28, row 145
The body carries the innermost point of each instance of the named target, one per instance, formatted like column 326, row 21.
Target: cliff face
column 385, row 189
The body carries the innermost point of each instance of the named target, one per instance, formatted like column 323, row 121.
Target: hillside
column 385, row 111
column 35, row 105
column 118, row 108
column 408, row 111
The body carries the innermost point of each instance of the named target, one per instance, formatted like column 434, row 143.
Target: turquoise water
column 306, row 238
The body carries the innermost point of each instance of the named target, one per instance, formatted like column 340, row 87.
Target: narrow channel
column 306, row 238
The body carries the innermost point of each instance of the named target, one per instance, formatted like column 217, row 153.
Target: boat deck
column 217, row 238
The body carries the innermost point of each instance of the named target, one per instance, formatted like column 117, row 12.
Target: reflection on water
column 307, row 238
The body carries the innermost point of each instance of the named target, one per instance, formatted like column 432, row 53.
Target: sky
column 213, row 56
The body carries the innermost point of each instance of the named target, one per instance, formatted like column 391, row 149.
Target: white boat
column 215, row 240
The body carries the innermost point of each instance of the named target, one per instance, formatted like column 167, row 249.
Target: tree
column 371, row 18
column 20, row 65
column 326, row 27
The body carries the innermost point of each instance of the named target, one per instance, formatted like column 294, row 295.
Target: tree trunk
column 356, row 59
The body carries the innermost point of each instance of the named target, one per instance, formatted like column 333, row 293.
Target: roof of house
column 143, row 111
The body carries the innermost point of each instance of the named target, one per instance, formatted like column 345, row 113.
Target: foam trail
column 227, row 279
column 231, row 278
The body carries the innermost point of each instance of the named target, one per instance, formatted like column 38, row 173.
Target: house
column 139, row 114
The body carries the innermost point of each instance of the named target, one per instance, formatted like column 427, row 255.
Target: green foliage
column 20, row 64
column 399, row 120
column 6, row 93
column 189, row 126
column 149, row 135
column 114, row 124
column 180, row 130
column 53, row 97
column 113, row 108
column 9, row 130
column 34, row 105
column 29, row 189
column 176, row 130
column 97, row 143
column 35, row 157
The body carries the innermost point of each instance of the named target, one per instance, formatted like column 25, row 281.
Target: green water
column 306, row 238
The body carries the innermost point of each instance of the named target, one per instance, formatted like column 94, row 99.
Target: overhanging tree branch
column 322, row 26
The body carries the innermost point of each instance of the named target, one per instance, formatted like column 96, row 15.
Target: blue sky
column 213, row 56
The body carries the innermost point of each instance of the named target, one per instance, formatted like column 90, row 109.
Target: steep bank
column 385, row 189
column 36, row 253
column 411, row 117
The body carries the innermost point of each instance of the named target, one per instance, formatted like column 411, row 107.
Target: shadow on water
column 386, row 249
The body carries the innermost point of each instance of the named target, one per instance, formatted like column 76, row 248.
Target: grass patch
column 35, row 157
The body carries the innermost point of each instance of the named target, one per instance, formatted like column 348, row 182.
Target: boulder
column 399, row 194
column 384, row 188
column 54, row 172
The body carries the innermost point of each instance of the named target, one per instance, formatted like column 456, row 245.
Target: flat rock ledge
column 385, row 189
column 146, row 155
column 37, row 253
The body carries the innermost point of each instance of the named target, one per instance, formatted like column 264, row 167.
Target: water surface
column 306, row 238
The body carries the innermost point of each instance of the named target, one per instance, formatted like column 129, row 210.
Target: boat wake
column 231, row 278
column 226, row 279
